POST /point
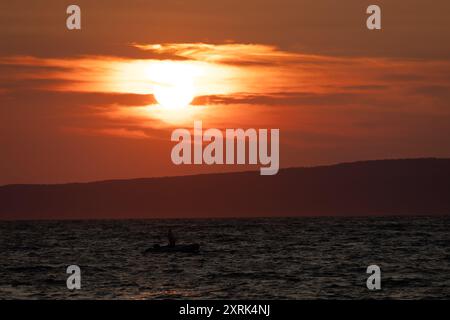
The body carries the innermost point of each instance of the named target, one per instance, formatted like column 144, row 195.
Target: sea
column 265, row 258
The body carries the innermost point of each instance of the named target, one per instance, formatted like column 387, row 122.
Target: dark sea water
column 289, row 258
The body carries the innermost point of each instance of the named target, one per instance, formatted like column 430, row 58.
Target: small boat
column 183, row 248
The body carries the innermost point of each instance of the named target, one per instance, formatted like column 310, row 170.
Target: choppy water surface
column 289, row 258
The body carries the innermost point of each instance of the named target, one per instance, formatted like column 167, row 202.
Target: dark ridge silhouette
column 384, row 187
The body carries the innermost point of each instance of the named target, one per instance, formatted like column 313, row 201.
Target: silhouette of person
column 171, row 238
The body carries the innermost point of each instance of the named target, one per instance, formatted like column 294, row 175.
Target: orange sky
column 79, row 105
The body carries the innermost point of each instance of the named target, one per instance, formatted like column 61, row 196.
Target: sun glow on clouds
column 143, row 76
column 187, row 71
column 234, row 81
column 211, row 69
column 226, row 69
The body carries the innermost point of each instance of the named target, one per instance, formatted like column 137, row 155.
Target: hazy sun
column 173, row 86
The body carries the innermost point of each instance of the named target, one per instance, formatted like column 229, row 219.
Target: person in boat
column 171, row 238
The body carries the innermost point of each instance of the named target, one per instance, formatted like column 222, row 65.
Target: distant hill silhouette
column 384, row 187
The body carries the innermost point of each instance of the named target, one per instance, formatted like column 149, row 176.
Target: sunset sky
column 80, row 105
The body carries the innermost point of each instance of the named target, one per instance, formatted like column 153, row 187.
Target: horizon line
column 222, row 173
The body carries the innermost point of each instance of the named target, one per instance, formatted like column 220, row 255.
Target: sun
column 175, row 94
column 173, row 86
